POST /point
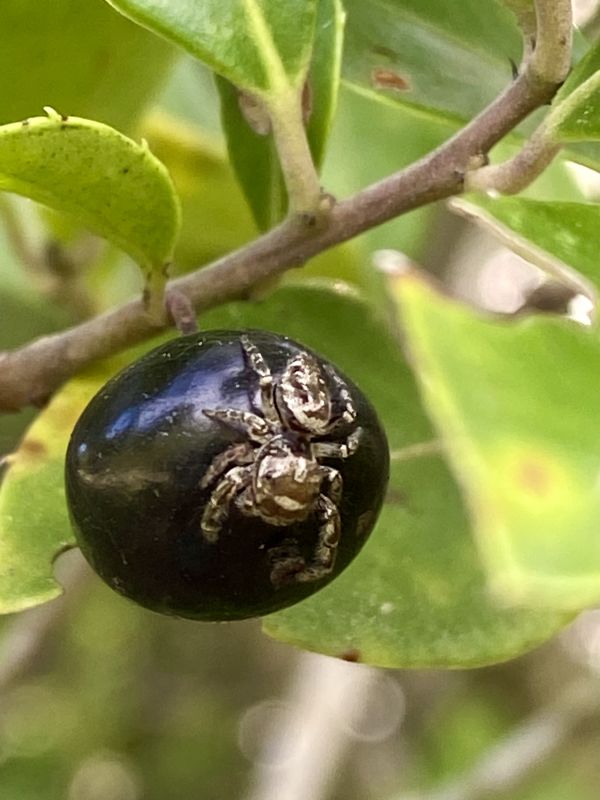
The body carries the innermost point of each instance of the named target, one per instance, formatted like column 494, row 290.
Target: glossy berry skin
column 134, row 480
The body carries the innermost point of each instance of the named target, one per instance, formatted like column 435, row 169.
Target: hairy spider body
column 285, row 481
column 276, row 474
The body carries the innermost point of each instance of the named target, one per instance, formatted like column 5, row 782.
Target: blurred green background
column 100, row 700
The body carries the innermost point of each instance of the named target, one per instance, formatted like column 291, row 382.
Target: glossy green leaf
column 259, row 45
column 577, row 119
column 575, row 114
column 415, row 596
column 517, row 404
column 80, row 57
column 560, row 238
column 586, row 68
column 253, row 155
column 449, row 59
column 101, row 178
column 34, row 523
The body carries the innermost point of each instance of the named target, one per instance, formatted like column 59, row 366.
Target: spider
column 275, row 473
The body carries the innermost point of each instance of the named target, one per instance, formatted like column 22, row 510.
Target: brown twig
column 32, row 373
column 517, row 173
column 551, row 57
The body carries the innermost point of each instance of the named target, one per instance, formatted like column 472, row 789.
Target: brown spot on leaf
column 32, row 447
column 353, row 655
column 388, row 79
column 534, row 477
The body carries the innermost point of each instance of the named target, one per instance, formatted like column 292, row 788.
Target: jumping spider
column 275, row 474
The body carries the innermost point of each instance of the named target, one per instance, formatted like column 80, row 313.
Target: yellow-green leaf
column 101, row 178
column 34, row 523
column 517, row 403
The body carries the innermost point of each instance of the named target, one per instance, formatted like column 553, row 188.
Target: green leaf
column 415, row 596
column 557, row 237
column 577, row 119
column 448, row 59
column 259, row 45
column 254, row 159
column 253, row 155
column 517, row 404
column 32, row 534
column 101, row 178
column 575, row 114
column 586, row 68
column 324, row 74
column 80, row 57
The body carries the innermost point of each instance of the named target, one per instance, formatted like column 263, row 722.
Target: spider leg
column 253, row 426
column 217, row 508
column 348, row 414
column 289, row 567
column 286, row 563
column 336, row 449
column 245, row 502
column 335, row 483
column 265, row 380
column 234, row 456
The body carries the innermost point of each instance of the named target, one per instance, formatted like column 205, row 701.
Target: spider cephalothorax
column 276, row 474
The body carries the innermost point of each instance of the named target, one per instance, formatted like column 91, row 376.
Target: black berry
column 225, row 475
